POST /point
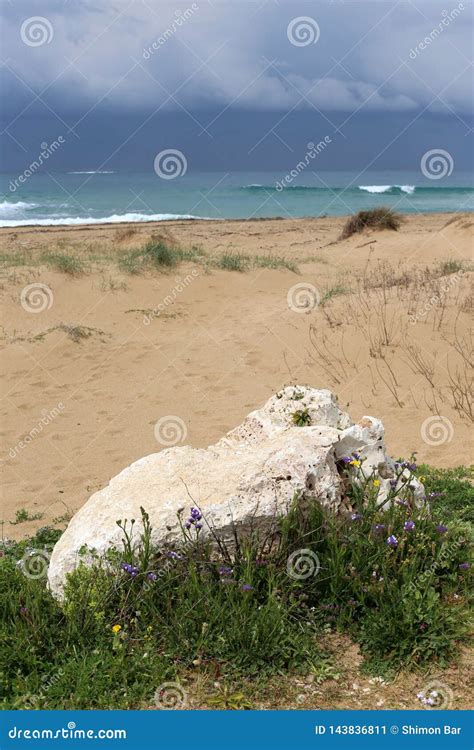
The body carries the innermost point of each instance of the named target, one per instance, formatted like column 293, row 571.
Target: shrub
column 375, row 218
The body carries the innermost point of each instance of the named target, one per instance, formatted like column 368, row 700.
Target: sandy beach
column 381, row 319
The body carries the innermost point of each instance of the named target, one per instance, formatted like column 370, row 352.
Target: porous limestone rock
column 246, row 479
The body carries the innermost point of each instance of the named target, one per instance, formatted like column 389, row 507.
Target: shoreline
column 154, row 223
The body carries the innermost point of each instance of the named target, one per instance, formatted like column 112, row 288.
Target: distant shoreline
column 197, row 220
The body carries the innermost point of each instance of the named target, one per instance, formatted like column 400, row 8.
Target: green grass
column 274, row 262
column 17, row 258
column 157, row 255
column 63, row 263
column 450, row 266
column 232, row 262
column 334, row 291
column 22, row 515
column 242, row 613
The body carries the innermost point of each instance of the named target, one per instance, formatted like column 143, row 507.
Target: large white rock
column 246, row 479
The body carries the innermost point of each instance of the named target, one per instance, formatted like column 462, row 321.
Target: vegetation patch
column 397, row 581
column 375, row 218
column 157, row 255
column 63, row 263
column 333, row 291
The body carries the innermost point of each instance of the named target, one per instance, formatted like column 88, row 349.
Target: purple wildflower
column 224, row 571
column 151, row 576
column 194, row 518
column 346, row 459
column 464, row 566
column 402, row 502
column 246, row 587
column 423, row 626
column 393, row 483
column 441, row 529
column 409, row 525
column 130, row 569
column 392, row 541
column 434, row 495
column 412, row 467
column 356, row 517
column 23, row 610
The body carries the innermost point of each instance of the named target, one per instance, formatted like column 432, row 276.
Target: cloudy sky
column 236, row 84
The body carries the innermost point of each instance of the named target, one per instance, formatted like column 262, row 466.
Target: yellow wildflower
column 376, row 483
column 354, row 463
column 116, row 628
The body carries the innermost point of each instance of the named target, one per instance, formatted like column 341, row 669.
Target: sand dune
column 386, row 329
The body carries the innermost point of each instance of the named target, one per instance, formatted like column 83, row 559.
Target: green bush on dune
column 396, row 581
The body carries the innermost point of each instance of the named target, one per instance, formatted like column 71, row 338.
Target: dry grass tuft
column 375, row 218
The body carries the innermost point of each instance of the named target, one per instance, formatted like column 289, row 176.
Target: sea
column 93, row 197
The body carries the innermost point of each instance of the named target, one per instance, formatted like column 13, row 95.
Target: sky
column 235, row 85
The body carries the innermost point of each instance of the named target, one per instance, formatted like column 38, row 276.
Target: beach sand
column 389, row 336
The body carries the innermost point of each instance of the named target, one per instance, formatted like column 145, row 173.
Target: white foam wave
column 78, row 220
column 7, row 208
column 94, row 171
column 409, row 189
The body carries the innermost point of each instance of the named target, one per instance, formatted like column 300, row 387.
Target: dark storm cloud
column 145, row 54
column 234, row 83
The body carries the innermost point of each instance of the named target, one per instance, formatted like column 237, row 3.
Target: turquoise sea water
column 86, row 197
